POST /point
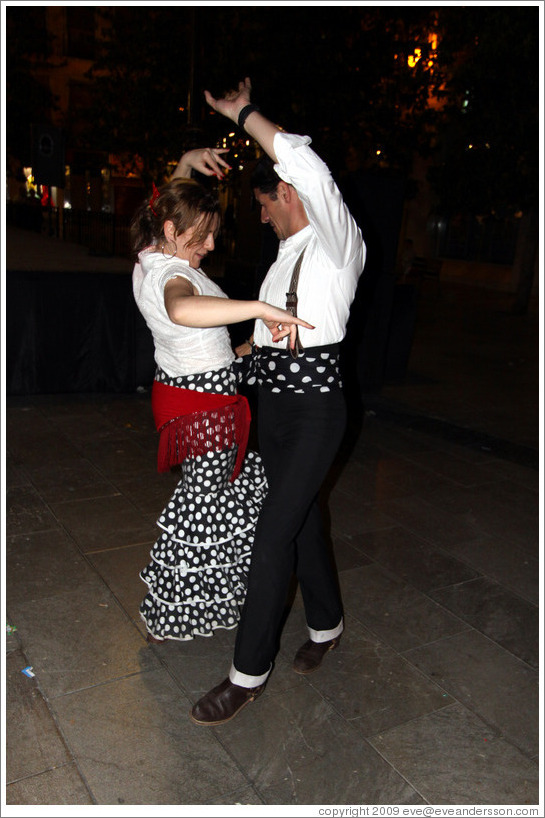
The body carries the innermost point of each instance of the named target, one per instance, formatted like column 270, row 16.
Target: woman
column 197, row 575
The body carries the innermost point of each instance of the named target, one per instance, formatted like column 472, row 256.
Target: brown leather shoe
column 309, row 656
column 222, row 703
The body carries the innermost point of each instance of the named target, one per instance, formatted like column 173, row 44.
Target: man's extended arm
column 336, row 230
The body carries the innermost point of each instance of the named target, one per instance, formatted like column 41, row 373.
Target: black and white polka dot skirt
column 199, row 564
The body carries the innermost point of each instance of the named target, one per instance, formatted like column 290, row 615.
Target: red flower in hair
column 154, row 197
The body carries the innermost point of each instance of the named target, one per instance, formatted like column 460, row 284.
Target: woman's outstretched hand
column 282, row 323
column 233, row 102
column 207, row 161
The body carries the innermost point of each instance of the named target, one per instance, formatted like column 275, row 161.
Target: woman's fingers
column 211, row 163
column 218, row 152
column 302, row 323
column 287, row 327
column 218, row 158
column 290, row 332
column 275, row 316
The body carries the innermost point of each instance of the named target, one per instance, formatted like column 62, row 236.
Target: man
column 302, row 414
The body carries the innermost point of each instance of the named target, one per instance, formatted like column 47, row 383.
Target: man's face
column 274, row 211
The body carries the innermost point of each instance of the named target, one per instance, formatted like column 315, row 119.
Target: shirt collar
column 298, row 240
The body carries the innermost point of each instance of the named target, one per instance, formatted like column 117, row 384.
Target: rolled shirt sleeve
column 336, row 230
column 334, row 248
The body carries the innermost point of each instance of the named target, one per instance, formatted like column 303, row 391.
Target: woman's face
column 195, row 252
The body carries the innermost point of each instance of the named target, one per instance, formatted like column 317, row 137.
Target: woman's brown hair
column 186, row 203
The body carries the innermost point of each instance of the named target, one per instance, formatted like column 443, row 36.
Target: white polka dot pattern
column 315, row 370
column 199, row 564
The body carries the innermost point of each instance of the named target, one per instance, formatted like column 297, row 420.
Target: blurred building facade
column 98, row 187
column 85, row 195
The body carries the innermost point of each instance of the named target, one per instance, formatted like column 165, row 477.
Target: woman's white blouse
column 179, row 350
column 335, row 254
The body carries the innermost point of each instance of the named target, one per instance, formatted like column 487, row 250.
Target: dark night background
column 427, row 116
column 338, row 73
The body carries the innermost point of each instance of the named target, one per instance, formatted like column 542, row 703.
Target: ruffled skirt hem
column 197, row 581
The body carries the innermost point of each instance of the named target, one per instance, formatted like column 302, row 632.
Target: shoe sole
column 316, row 667
column 222, row 721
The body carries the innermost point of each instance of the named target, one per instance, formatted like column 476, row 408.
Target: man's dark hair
column 264, row 177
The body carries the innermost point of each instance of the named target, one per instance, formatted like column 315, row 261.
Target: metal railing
column 104, row 234
column 108, row 234
column 469, row 238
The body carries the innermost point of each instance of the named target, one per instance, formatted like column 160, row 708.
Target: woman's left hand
column 207, row 161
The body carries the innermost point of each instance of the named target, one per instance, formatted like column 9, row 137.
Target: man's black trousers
column 299, row 436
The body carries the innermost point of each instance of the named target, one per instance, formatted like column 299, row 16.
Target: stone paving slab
column 505, row 618
column 33, row 743
column 396, row 612
column 453, row 757
column 291, row 745
column 79, row 639
column 44, row 564
column 135, row 744
column 58, row 786
column 488, row 680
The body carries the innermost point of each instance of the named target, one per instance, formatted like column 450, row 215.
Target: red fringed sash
column 192, row 423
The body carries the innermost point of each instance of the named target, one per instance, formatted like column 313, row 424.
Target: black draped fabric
column 74, row 332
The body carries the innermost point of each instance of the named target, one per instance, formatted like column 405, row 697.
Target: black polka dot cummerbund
column 315, row 370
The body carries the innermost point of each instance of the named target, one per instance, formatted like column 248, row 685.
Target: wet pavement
column 432, row 697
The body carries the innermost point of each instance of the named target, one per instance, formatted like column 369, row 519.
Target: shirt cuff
column 284, row 144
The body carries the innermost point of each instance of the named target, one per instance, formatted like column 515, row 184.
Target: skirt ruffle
column 199, row 564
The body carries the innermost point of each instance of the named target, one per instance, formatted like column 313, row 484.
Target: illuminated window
column 412, row 59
